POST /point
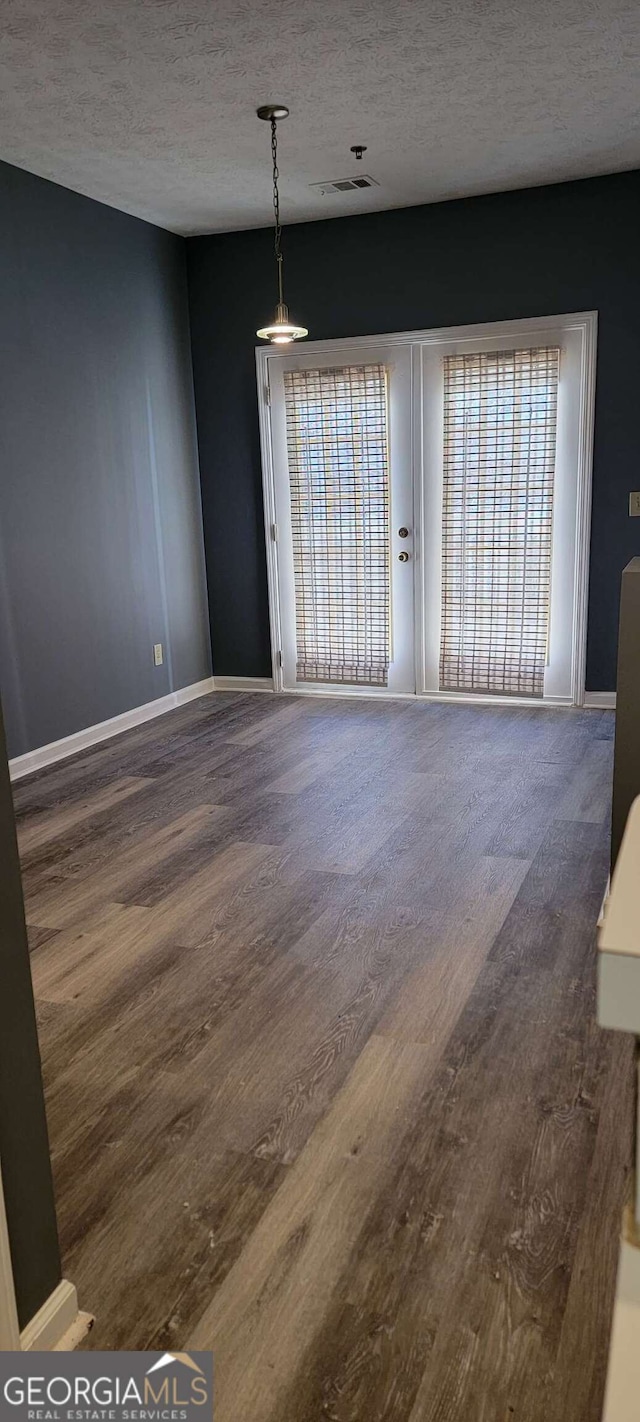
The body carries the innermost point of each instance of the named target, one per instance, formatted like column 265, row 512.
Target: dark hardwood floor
column 315, row 983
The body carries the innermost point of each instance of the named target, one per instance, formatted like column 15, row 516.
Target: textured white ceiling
column 150, row 104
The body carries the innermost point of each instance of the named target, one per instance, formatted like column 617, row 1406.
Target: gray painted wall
column 24, row 1147
column 101, row 551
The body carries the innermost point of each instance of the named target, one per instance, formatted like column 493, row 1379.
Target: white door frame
column 397, row 360
column 9, row 1326
column 585, row 325
column 58, row 1323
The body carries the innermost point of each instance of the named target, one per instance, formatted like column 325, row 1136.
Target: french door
column 427, row 503
column 342, row 524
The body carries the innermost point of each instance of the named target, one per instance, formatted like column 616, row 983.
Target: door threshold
column 452, row 698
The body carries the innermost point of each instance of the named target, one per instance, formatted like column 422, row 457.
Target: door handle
column 403, row 557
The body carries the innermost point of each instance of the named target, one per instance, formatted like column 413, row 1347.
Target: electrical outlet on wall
column 634, row 505
column 158, row 656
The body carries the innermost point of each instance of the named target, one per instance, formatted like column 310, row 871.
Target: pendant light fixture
column 282, row 331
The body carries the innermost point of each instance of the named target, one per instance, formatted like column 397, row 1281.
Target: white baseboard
column 81, row 740
column 82, row 1324
column 58, row 1324
column 243, row 683
column 191, row 693
column 600, row 700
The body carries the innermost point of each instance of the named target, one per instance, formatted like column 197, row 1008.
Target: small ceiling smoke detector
column 345, row 185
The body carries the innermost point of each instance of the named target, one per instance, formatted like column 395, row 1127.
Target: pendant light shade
column 282, row 331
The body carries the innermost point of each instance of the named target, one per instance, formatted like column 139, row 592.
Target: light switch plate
column 634, row 505
column 157, row 654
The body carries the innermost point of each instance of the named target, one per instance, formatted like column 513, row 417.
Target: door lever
column 403, row 557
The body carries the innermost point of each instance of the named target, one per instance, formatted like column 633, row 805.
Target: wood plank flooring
column 315, row 985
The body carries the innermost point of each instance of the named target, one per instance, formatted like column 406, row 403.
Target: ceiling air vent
column 345, row 185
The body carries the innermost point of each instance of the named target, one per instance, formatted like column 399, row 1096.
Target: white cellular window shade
column 338, row 456
column 500, row 412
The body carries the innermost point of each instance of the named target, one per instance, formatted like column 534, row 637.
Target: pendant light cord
column 276, row 205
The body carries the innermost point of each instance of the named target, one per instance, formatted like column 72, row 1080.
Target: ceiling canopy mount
column 272, row 111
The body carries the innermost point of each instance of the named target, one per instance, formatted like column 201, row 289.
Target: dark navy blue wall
column 540, row 251
column 101, row 550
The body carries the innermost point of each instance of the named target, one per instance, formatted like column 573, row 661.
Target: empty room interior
column 320, row 679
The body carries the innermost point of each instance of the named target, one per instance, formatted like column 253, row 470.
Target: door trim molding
column 9, row 1326
column 586, row 322
column 269, row 507
column 522, row 325
column 58, row 1323
column 588, row 325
